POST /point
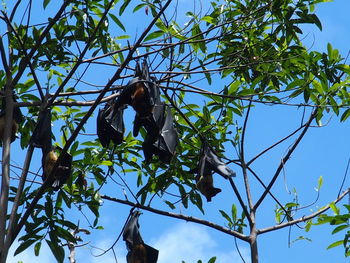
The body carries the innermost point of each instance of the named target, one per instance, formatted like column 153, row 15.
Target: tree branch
column 243, row 164
column 285, row 159
column 275, row 144
column 179, row 216
column 12, row 220
column 36, row 80
column 23, row 62
column 304, row 218
column 5, row 182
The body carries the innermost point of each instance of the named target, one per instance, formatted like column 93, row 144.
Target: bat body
column 41, row 136
column 209, row 162
column 14, row 128
column 17, row 118
column 48, row 162
column 63, row 170
column 137, row 255
column 110, row 124
column 138, row 251
column 205, row 186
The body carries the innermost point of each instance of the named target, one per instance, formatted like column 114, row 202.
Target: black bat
column 208, row 163
column 164, row 143
column 110, row 124
column 41, row 136
column 138, row 251
column 63, row 170
column 17, row 118
column 142, row 93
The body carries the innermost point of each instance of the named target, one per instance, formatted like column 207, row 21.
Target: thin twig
column 285, row 159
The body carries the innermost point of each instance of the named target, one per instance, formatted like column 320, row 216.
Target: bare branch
column 285, row 159
column 304, row 218
column 243, row 164
column 179, row 216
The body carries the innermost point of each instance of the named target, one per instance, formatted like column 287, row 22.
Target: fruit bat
column 138, row 251
column 110, row 124
column 164, row 143
column 142, row 93
column 208, row 163
column 17, row 118
column 63, row 170
column 41, row 136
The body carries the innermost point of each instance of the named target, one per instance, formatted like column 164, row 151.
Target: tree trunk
column 254, row 246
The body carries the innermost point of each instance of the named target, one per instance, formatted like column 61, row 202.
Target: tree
column 237, row 56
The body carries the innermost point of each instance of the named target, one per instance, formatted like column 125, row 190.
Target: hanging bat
column 142, row 93
column 63, row 170
column 138, row 251
column 41, row 136
column 208, row 163
column 110, row 124
column 205, row 186
column 164, row 144
column 17, row 118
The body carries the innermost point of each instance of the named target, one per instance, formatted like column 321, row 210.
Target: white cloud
column 188, row 242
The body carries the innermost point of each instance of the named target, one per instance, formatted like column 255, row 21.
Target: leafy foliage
column 252, row 47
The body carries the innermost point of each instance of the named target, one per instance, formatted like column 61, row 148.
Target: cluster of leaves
column 340, row 221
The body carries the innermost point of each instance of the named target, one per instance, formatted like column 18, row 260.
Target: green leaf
column 154, row 35
column 308, row 225
column 208, row 19
column 226, row 216
column 37, row 248
column 170, row 204
column 335, row 244
column 45, row 3
column 334, row 208
column 124, row 5
column 65, row 234
column 117, row 21
column 212, row 260
column 319, row 183
column 24, row 245
column 339, row 228
column 345, row 115
column 138, row 7
column 234, row 212
column 56, row 250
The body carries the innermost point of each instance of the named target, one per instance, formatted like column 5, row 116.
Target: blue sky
column 324, row 152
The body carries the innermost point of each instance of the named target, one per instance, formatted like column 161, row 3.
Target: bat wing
column 168, row 138
column 131, row 234
column 102, row 129
column 151, row 254
column 41, row 136
column 116, row 123
column 153, row 123
column 110, row 124
column 217, row 164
